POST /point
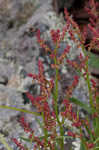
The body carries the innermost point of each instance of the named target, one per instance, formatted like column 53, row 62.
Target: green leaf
column 25, row 139
column 97, row 103
column 81, row 104
column 82, row 146
column 97, row 140
column 19, row 109
column 40, row 124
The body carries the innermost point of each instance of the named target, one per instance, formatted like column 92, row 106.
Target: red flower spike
column 25, row 125
column 34, row 76
column 90, row 145
column 55, row 35
column 53, row 115
column 92, row 29
column 95, row 115
column 58, row 30
column 39, row 98
column 38, row 34
column 19, row 145
column 75, row 82
column 69, row 133
column 52, row 55
column 35, row 147
column 66, row 13
column 84, row 34
column 54, row 66
column 74, row 116
column 40, row 66
column 93, row 82
column 37, row 140
column 63, row 114
column 67, row 49
column 76, row 78
column 31, row 136
column 92, row 22
column 76, row 124
column 70, row 62
column 81, row 56
column 66, row 101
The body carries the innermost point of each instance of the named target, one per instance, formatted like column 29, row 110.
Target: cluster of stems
column 54, row 119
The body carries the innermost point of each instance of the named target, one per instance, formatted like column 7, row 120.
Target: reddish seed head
column 55, row 35
column 77, row 124
column 69, row 133
column 66, row 101
column 93, row 82
column 34, row 76
column 19, row 145
column 58, row 30
column 67, row 49
column 24, row 124
column 76, row 78
column 53, row 114
column 40, row 66
column 90, row 145
column 69, row 62
column 38, row 34
column 75, row 82
column 80, row 56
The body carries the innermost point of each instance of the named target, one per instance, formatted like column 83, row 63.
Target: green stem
column 3, row 141
column 56, row 87
column 55, row 95
column 88, row 82
column 19, row 109
column 44, row 130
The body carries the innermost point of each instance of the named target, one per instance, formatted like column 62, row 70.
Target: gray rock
column 25, row 85
column 6, row 69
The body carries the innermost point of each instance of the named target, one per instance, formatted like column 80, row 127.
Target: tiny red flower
column 40, row 66
column 81, row 56
column 19, row 145
column 38, row 34
column 53, row 114
column 69, row 133
column 66, row 101
column 67, row 49
column 93, row 82
column 55, row 35
column 90, row 145
column 25, row 125
column 34, row 76
column 77, row 124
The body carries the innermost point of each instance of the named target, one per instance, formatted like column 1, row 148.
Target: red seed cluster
column 69, row 133
column 19, row 145
column 25, row 125
column 55, row 35
column 49, row 88
column 42, row 42
column 68, row 113
column 90, row 145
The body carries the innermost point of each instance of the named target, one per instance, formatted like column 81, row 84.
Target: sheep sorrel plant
column 53, row 116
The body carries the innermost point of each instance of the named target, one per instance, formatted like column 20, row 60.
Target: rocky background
column 19, row 53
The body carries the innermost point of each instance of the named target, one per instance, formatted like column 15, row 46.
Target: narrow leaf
column 81, row 104
column 82, row 146
column 19, row 109
column 3, row 141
